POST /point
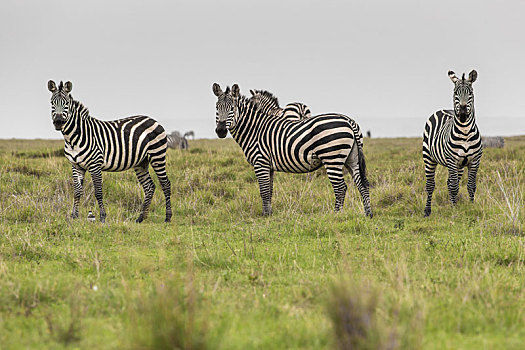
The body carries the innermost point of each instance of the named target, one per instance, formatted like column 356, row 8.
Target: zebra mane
column 267, row 94
column 463, row 77
column 82, row 110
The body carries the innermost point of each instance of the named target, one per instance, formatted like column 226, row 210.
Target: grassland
column 222, row 276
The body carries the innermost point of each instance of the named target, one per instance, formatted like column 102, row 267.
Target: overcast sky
column 384, row 63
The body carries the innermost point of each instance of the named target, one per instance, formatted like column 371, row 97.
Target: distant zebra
column 94, row 145
column 267, row 102
column 272, row 143
column 493, row 141
column 452, row 139
column 188, row 134
column 177, row 141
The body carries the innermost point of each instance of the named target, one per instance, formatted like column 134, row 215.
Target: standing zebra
column 452, row 139
column 95, row 146
column 267, row 102
column 272, row 143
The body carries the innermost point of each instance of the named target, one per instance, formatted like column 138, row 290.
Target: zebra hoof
column 167, row 220
column 427, row 213
column 139, row 220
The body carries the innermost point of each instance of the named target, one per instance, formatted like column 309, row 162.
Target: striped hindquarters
column 436, row 135
column 296, row 111
column 297, row 147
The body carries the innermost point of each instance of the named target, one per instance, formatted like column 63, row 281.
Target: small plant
column 67, row 330
column 166, row 318
column 363, row 319
column 511, row 203
column 352, row 309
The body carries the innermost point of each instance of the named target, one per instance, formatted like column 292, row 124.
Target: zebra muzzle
column 59, row 123
column 463, row 114
column 221, row 130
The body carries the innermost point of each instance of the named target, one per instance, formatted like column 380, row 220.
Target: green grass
column 222, row 276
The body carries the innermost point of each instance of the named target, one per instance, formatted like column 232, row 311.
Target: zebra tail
column 362, row 165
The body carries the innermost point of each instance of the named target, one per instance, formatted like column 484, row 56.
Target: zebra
column 266, row 101
column 451, row 138
column 493, row 141
column 272, row 143
column 94, row 145
column 177, row 141
column 191, row 133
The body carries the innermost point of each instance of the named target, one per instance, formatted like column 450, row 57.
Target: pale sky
column 384, row 63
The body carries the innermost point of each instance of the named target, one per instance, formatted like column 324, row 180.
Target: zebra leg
column 96, row 175
column 149, row 188
column 460, row 174
column 430, row 173
column 352, row 164
column 453, row 184
column 265, row 179
column 78, row 182
column 471, row 184
column 159, row 166
column 271, row 185
column 335, row 175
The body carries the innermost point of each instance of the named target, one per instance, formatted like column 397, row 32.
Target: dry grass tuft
column 352, row 309
column 166, row 318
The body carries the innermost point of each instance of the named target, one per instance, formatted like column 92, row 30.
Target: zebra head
column 225, row 108
column 463, row 95
column 264, row 100
column 60, row 101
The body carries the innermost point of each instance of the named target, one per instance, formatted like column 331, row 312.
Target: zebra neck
column 463, row 130
column 248, row 124
column 74, row 127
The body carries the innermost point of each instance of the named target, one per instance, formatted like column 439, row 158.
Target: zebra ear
column 452, row 76
column 472, row 76
column 236, row 91
column 51, row 86
column 68, row 86
column 217, row 89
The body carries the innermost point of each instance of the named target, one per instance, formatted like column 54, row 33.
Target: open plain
column 221, row 275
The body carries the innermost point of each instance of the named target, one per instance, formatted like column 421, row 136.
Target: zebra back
column 297, row 111
column 269, row 104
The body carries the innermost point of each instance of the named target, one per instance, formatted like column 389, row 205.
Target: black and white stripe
column 273, row 143
column 268, row 103
column 95, row 146
column 452, row 139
